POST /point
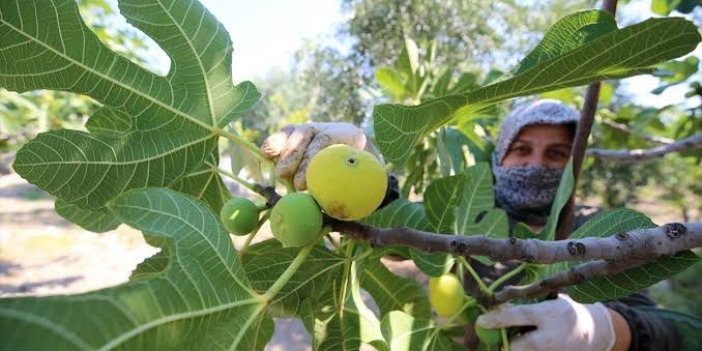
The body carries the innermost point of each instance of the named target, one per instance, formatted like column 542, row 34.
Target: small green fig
column 296, row 220
column 239, row 216
column 488, row 336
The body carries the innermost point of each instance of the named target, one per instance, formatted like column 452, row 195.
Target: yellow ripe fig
column 296, row 220
column 348, row 183
column 446, row 294
column 239, row 216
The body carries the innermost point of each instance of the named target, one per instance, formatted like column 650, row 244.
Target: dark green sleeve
column 648, row 330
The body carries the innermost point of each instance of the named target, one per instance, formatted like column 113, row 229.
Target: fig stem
column 350, row 245
column 236, row 178
column 448, row 322
column 505, row 339
column 505, row 277
column 289, row 185
column 289, row 272
column 255, row 151
column 243, row 142
column 475, row 275
column 251, row 235
column 363, row 254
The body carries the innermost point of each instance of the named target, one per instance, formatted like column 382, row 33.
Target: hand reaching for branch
column 562, row 324
column 295, row 145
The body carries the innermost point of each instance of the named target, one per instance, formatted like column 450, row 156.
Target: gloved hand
column 562, row 324
column 295, row 145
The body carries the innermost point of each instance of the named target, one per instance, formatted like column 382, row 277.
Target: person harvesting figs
column 533, row 147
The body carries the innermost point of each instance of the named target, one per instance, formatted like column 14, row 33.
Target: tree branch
column 625, row 129
column 689, row 143
column 575, row 275
column 582, row 133
column 640, row 244
column 606, row 255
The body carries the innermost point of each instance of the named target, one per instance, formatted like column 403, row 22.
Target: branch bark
column 689, row 143
column 582, row 133
column 640, row 244
column 605, row 255
column 575, row 275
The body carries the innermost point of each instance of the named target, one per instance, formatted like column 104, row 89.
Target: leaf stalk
column 243, row 142
column 289, row 272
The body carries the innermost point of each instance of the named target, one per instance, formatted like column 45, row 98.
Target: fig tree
column 296, row 220
column 348, row 183
column 239, row 216
column 446, row 294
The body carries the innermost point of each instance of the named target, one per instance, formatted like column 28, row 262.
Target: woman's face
column 545, row 145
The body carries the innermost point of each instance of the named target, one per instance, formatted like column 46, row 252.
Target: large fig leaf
column 632, row 280
column 97, row 220
column 265, row 262
column 393, row 293
column 341, row 320
column 200, row 300
column 476, row 213
column 440, row 200
column 404, row 332
column 567, row 34
column 204, row 183
column 400, row 213
column 153, row 130
column 588, row 50
column 154, row 264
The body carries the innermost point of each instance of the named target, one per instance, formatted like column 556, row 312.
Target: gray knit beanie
column 545, row 111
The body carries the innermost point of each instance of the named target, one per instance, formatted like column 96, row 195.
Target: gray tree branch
column 575, row 275
column 578, row 150
column 605, row 255
column 689, row 143
column 640, row 244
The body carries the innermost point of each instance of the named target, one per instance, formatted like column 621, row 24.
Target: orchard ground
column 43, row 254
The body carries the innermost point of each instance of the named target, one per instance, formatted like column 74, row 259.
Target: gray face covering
column 526, row 193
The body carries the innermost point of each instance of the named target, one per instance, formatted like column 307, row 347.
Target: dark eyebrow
column 563, row 145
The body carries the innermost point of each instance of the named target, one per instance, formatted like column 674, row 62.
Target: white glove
column 562, row 324
column 295, row 146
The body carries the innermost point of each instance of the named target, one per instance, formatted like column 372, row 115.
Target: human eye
column 557, row 154
column 521, row 150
